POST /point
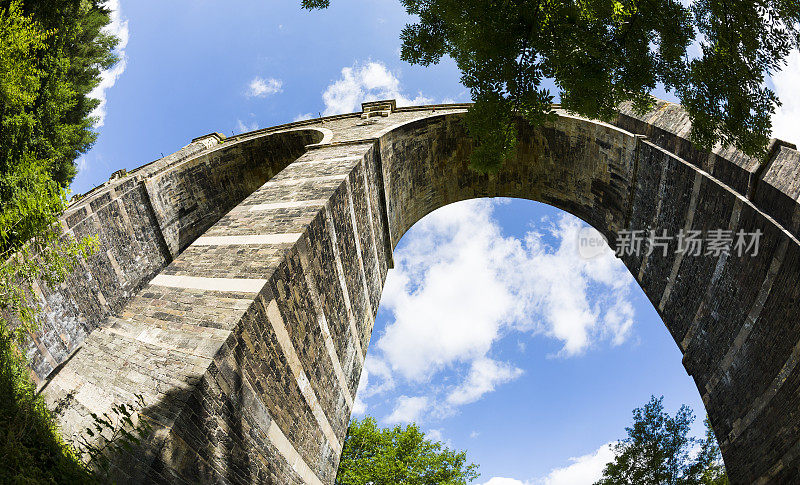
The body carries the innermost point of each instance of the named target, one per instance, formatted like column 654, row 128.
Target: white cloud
column 377, row 373
column 459, row 286
column 119, row 28
column 303, row 116
column 244, row 127
column 359, row 407
column 787, row 86
column 484, row 375
column 438, row 435
column 261, row 88
column 455, row 312
column 578, row 301
column 584, row 470
column 473, row 282
column 364, row 390
column 365, row 82
column 434, row 435
column 408, row 409
column 505, row 481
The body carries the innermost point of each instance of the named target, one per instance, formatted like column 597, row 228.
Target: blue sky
column 493, row 334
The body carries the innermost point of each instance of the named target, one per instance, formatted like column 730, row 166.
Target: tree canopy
column 62, row 69
column 658, row 450
column 601, row 53
column 51, row 56
column 390, row 456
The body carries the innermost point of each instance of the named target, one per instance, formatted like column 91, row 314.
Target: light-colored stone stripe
column 433, row 113
column 662, row 187
column 285, row 448
column 371, row 224
column 285, row 342
column 733, row 223
column 327, row 133
column 328, row 160
column 240, row 285
column 98, row 292
column 323, row 326
column 323, row 178
column 202, row 342
column 752, row 317
column 115, row 266
column 124, row 213
column 676, row 265
column 154, row 205
column 266, row 239
column 787, row 459
column 289, row 204
column 796, row 219
column 357, row 238
column 721, row 260
column 354, row 142
column 763, row 400
column 346, row 294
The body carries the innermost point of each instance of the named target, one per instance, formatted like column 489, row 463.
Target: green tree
column 51, row 55
column 390, row 456
column 36, row 141
column 601, row 53
column 708, row 467
column 75, row 50
column 658, row 450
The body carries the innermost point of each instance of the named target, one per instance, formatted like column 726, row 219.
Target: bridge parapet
column 772, row 184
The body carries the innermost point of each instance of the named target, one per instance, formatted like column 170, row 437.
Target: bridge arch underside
column 249, row 345
column 735, row 319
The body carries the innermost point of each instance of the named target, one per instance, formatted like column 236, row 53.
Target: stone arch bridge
column 238, row 279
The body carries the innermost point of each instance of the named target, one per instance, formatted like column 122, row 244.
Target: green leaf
column 399, row 455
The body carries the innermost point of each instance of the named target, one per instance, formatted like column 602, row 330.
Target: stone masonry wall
column 142, row 220
column 246, row 325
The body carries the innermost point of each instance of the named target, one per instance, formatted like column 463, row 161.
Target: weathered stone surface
column 237, row 283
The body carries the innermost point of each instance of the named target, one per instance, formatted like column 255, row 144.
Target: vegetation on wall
column 601, row 53
column 51, row 56
column 31, row 450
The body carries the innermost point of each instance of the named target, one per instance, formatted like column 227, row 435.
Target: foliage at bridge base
column 31, row 450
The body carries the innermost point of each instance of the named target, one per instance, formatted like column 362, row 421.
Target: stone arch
column 727, row 314
column 249, row 344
